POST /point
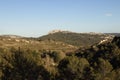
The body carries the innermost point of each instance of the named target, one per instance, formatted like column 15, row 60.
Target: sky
column 34, row 18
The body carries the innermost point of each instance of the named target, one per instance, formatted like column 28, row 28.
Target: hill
column 115, row 34
column 76, row 39
column 56, row 40
column 13, row 41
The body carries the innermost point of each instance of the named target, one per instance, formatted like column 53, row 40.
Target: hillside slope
column 8, row 42
column 76, row 39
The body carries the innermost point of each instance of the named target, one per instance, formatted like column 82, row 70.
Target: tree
column 73, row 68
column 103, row 69
column 24, row 68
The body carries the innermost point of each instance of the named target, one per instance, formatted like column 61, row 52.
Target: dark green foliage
column 102, row 69
column 116, row 41
column 73, row 68
column 104, row 59
column 24, row 67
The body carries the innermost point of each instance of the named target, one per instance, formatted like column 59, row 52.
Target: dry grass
column 35, row 45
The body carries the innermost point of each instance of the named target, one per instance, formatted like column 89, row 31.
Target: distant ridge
column 66, row 31
column 115, row 34
column 76, row 39
column 11, row 36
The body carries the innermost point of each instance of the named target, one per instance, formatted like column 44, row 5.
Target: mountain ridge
column 76, row 39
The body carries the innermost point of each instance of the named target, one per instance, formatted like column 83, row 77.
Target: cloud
column 108, row 14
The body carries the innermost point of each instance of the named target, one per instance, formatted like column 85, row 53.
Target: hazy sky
column 37, row 17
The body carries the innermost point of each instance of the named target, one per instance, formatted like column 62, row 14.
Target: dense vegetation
column 99, row 62
column 76, row 39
